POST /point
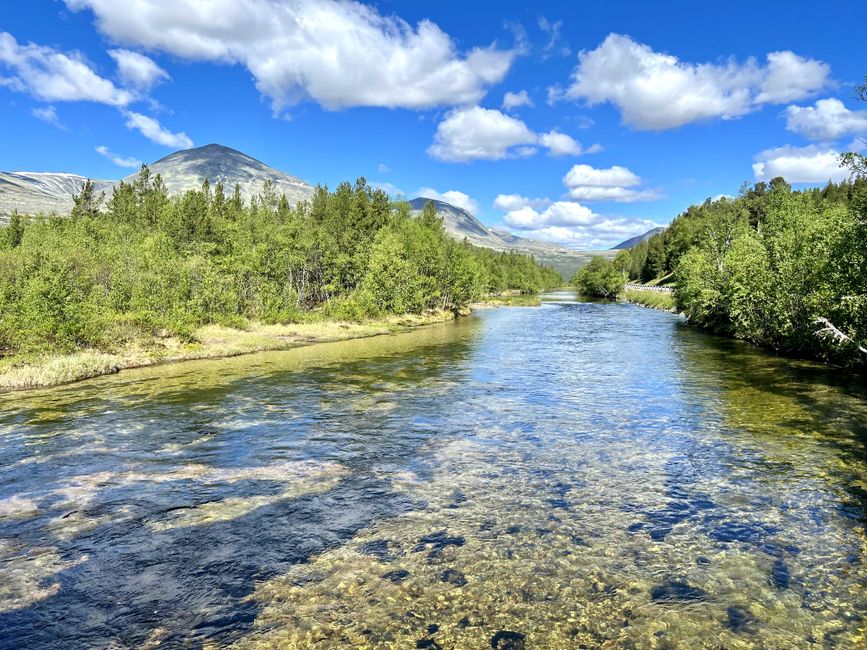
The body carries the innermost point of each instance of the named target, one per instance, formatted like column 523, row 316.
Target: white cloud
column 657, row 91
column 137, row 70
column 454, row 197
column 568, row 223
column 120, row 161
column 790, row 77
column 48, row 114
column 337, row 53
column 615, row 183
column 383, row 168
column 54, row 76
column 615, row 176
column 555, row 44
column 828, row 120
column 514, row 100
column 810, row 164
column 388, row 188
column 510, row 202
column 476, row 133
column 559, row 213
column 560, row 144
column 156, row 132
column 618, row 194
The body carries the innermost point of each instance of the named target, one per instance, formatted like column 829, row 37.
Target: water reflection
column 577, row 475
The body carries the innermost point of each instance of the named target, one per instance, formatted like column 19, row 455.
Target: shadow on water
column 129, row 579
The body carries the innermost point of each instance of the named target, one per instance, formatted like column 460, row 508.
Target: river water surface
column 578, row 475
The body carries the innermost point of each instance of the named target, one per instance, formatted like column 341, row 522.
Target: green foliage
column 150, row 265
column 600, row 278
column 803, row 263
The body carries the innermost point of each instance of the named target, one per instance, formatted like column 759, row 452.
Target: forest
column 782, row 268
column 143, row 263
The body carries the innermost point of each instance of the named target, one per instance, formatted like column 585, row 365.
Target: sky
column 576, row 123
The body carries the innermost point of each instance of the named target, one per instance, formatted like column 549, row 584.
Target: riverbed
column 580, row 474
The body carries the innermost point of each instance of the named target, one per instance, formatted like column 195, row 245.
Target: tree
column 623, row 262
column 14, row 230
column 87, row 202
column 857, row 162
column 600, row 278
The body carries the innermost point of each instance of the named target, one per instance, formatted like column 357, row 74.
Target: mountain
column 461, row 224
column 35, row 192
column 41, row 192
column 189, row 168
column 634, row 241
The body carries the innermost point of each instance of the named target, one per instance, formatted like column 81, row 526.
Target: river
column 579, row 474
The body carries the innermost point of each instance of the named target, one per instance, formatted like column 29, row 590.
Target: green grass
column 664, row 281
column 653, row 299
column 511, row 299
column 209, row 342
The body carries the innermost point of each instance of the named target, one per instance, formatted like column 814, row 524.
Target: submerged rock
column 507, row 640
column 454, row 577
column 429, row 644
column 780, row 575
column 380, row 549
column 436, row 542
column 396, row 576
column 739, row 619
column 677, row 591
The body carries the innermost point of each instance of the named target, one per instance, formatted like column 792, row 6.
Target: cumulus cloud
column 454, row 197
column 514, row 100
column 54, row 76
column 48, row 114
column 615, row 183
column 826, row 121
column 476, row 133
column 810, row 164
column 338, row 53
column 510, row 202
column 120, row 161
column 656, row 91
column 568, row 223
column 137, row 70
column 156, row 132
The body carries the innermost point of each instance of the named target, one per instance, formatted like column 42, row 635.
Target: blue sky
column 620, row 114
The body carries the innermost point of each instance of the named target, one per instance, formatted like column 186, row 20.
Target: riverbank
column 210, row 342
column 664, row 301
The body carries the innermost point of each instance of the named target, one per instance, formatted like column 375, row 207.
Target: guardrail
column 642, row 287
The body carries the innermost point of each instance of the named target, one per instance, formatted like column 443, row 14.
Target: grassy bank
column 210, row 342
column 653, row 299
column 509, row 299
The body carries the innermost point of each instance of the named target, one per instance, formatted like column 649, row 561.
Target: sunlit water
column 575, row 475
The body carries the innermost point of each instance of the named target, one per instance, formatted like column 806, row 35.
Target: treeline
column 146, row 263
column 782, row 268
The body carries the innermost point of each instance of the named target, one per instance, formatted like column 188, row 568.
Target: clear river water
column 577, row 475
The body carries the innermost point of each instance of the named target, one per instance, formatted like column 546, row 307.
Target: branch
column 830, row 331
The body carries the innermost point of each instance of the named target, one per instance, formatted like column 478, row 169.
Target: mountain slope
column 41, row 192
column 634, row 241
column 461, row 224
column 38, row 192
column 188, row 168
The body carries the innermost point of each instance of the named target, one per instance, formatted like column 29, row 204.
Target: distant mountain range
column 35, row 192
column 634, row 241
column 43, row 192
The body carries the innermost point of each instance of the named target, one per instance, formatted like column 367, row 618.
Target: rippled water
column 576, row 475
